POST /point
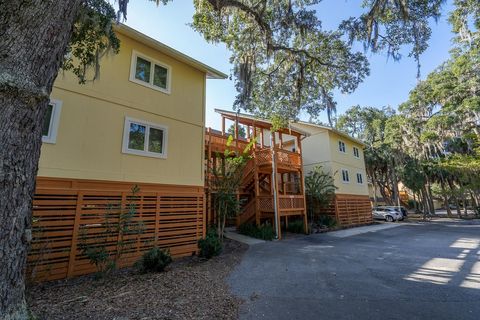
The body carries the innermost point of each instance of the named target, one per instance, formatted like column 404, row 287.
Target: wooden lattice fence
column 67, row 213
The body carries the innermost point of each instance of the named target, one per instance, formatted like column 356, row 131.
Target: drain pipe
column 274, row 183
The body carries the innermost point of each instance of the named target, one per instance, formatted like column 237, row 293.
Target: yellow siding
column 347, row 161
column 90, row 133
column 321, row 148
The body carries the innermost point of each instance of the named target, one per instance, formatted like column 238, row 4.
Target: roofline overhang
column 340, row 133
column 211, row 73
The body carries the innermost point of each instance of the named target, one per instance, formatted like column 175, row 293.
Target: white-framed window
column 345, row 177
column 145, row 138
column 356, row 152
column 341, row 146
column 359, row 178
column 150, row 72
column 51, row 121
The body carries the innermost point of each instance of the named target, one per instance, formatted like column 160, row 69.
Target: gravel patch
column 189, row 289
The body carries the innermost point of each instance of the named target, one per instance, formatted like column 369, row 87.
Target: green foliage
column 296, row 226
column 390, row 25
column 211, row 245
column 278, row 47
column 92, row 38
column 327, row 221
column 319, row 191
column 264, row 232
column 120, row 230
column 154, row 260
column 242, row 133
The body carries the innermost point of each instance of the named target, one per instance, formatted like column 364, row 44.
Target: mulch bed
column 190, row 289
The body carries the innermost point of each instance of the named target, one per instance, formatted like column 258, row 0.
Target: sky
column 388, row 84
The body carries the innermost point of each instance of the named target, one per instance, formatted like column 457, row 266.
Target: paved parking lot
column 413, row 271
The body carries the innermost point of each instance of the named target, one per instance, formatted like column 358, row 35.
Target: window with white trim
column 51, row 121
column 345, row 177
column 356, row 152
column 341, row 146
column 150, row 72
column 359, row 178
column 144, row 138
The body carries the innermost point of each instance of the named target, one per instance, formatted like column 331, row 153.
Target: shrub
column 264, row 232
column 295, row 226
column 154, row 260
column 211, row 245
column 327, row 221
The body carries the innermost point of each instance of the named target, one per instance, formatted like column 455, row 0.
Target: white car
column 387, row 214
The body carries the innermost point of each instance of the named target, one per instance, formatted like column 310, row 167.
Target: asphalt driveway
column 414, row 271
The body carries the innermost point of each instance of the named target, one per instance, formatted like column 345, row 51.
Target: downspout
column 274, row 184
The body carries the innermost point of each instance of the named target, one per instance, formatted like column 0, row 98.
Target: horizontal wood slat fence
column 349, row 210
column 69, row 212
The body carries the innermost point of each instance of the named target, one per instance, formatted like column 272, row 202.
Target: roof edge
column 212, row 73
column 341, row 133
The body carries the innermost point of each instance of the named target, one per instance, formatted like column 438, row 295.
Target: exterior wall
column 315, row 151
column 347, row 161
column 321, row 148
column 90, row 133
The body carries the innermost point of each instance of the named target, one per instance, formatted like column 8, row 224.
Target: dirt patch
column 189, row 289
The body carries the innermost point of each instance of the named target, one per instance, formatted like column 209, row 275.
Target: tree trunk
column 33, row 38
column 445, row 198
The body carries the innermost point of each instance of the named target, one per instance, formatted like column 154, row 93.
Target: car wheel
column 389, row 218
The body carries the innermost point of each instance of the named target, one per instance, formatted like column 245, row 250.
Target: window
column 149, row 72
column 356, row 152
column 341, row 146
column 144, row 138
column 50, row 123
column 345, row 177
column 359, row 178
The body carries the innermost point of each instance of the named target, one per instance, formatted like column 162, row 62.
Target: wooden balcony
column 217, row 142
column 286, row 160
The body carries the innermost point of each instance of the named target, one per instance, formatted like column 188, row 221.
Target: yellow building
column 342, row 156
column 141, row 123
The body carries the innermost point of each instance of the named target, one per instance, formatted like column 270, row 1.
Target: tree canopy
column 433, row 139
column 280, row 46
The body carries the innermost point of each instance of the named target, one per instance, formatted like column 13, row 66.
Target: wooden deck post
column 75, row 232
column 257, row 191
column 261, row 138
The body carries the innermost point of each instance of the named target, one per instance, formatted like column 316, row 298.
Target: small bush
column 295, row 226
column 327, row 221
column 264, row 232
column 211, row 245
column 154, row 260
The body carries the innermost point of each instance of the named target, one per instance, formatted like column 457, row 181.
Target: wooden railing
column 288, row 203
column 219, row 141
column 265, row 203
column 263, row 156
column 248, row 213
column 285, row 158
column 288, row 158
